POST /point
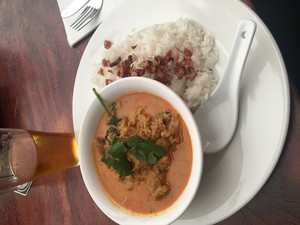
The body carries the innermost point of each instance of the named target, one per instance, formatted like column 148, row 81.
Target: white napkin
column 74, row 36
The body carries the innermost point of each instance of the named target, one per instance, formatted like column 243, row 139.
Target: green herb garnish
column 143, row 149
column 112, row 120
column 115, row 156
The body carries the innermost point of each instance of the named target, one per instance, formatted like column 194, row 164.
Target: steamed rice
column 158, row 40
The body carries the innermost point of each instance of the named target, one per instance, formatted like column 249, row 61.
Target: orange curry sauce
column 138, row 201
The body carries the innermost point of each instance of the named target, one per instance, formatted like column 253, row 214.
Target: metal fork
column 88, row 14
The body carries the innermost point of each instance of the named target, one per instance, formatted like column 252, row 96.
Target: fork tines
column 84, row 18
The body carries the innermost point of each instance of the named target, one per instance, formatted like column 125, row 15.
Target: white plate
column 232, row 177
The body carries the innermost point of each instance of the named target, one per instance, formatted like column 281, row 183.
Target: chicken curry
column 143, row 153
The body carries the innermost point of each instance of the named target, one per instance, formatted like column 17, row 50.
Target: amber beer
column 55, row 152
column 35, row 154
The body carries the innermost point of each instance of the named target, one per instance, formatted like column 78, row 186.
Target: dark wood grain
column 37, row 73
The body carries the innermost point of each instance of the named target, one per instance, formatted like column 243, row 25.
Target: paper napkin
column 74, row 36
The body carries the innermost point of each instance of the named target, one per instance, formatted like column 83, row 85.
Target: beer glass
column 27, row 155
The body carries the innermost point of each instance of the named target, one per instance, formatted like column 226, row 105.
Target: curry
column 143, row 153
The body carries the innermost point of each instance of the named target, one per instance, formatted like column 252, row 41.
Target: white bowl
column 88, row 169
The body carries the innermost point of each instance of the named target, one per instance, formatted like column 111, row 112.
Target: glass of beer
column 27, row 155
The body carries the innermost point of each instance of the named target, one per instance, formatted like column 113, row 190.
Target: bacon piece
column 162, row 68
column 184, row 67
column 116, row 62
column 168, row 56
column 180, row 72
column 134, row 57
column 101, row 71
column 107, row 44
column 187, row 53
column 124, row 68
column 108, row 81
column 131, row 58
column 144, row 64
column 140, row 72
column 105, row 62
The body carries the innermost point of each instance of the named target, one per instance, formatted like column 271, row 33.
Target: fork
column 87, row 15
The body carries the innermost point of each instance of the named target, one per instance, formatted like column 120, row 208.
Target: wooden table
column 37, row 73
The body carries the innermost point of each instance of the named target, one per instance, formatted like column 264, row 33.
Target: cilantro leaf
column 145, row 149
column 132, row 141
column 115, row 156
column 122, row 166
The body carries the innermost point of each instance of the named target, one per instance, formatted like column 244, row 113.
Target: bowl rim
column 88, row 170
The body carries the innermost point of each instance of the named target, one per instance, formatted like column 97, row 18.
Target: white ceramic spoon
column 217, row 117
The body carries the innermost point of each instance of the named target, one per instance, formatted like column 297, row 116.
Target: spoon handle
column 238, row 55
column 217, row 117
